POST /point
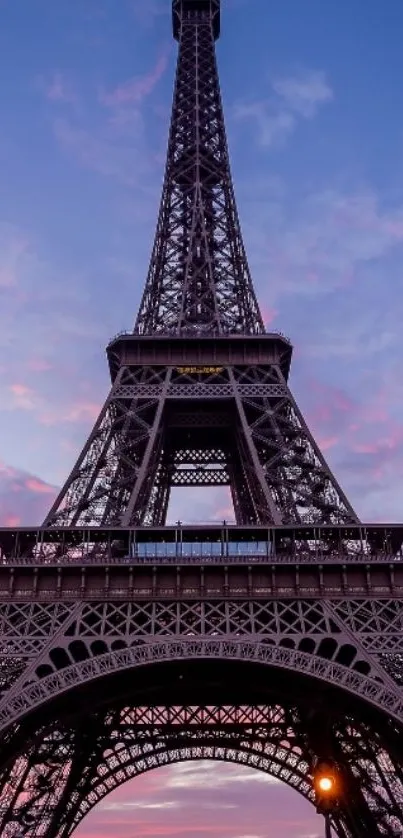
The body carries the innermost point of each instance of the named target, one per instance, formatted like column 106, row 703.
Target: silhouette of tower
column 128, row 643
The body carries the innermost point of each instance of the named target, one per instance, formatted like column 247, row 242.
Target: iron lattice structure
column 199, row 392
column 128, row 644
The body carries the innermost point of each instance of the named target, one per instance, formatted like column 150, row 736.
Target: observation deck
column 201, row 562
column 129, row 349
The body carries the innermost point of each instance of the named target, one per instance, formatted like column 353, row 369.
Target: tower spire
column 198, row 280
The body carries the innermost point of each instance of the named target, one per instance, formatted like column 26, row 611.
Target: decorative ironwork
column 127, row 644
column 261, row 447
column 68, row 768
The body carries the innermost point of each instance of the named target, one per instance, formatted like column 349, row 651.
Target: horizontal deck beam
column 200, row 582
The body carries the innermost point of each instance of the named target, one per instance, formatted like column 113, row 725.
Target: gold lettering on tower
column 199, row 370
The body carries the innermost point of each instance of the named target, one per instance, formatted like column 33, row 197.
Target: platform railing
column 207, row 545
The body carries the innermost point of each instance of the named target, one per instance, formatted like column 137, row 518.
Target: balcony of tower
column 128, row 349
column 197, row 11
column 202, row 562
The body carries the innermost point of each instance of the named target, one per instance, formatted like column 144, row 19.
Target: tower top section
column 198, row 281
column 195, row 10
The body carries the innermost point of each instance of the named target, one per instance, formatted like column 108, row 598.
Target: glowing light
column 326, row 783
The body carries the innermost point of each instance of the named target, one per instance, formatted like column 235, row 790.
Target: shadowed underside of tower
column 127, row 644
column 199, row 391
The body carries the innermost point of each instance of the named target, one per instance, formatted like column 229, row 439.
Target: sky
column 203, row 800
column 312, row 97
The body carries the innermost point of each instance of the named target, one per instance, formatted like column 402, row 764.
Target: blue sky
column 312, row 96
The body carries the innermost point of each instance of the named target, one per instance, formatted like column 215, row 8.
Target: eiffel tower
column 127, row 643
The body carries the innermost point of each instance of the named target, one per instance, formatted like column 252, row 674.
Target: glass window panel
column 216, row 548
column 233, row 548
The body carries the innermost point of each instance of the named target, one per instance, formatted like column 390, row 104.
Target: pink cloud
column 365, row 447
column 327, row 402
column 78, row 412
column 385, row 445
column 24, row 397
column 135, row 90
column 224, row 513
column 368, row 433
column 329, row 442
column 6, row 471
column 39, row 365
column 235, row 803
column 35, row 485
column 269, row 314
column 83, row 411
column 24, row 499
column 20, row 389
column 339, row 398
column 11, row 521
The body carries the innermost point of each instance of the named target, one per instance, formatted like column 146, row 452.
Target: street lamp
column 325, row 784
column 327, row 787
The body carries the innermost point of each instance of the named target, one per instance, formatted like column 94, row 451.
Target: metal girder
column 356, row 645
column 199, row 391
column 266, row 453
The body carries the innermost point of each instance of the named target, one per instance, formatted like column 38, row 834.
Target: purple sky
column 312, row 95
column 203, row 800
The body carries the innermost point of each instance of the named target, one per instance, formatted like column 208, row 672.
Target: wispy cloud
column 134, row 91
column 141, row 804
column 207, row 504
column 249, row 836
column 24, row 499
column 69, row 409
column 276, row 116
column 199, row 775
column 60, row 89
column 39, row 365
column 110, row 133
column 362, row 434
column 234, row 804
column 72, row 412
column 305, row 93
column 23, row 397
column 320, row 242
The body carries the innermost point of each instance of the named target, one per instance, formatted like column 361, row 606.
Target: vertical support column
column 143, row 473
column 273, row 515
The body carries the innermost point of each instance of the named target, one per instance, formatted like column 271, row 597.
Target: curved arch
column 278, row 759
column 154, row 651
column 82, row 762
